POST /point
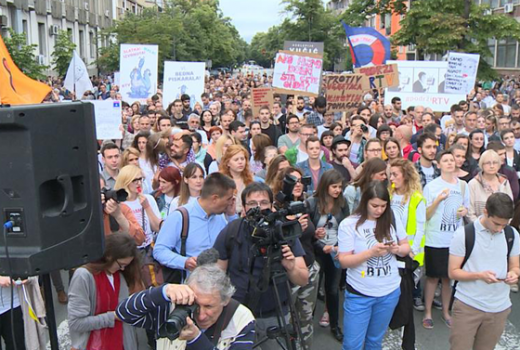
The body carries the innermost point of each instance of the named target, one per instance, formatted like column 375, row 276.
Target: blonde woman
column 235, row 164
column 223, row 143
column 130, row 157
column 485, row 183
column 143, row 206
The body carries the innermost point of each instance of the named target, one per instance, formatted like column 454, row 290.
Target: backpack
column 411, row 155
column 469, row 242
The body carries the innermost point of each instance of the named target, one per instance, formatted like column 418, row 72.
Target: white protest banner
column 117, row 78
column 108, row 119
column 138, row 68
column 462, row 72
column 297, row 73
column 183, row 78
column 421, row 83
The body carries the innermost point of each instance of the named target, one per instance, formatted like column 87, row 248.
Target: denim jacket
column 305, row 167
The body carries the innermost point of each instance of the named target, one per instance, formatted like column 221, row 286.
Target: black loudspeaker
column 49, row 188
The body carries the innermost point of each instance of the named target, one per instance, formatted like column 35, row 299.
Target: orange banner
column 15, row 87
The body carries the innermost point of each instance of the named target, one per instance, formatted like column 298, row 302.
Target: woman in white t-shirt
column 369, row 241
column 191, row 185
column 143, row 206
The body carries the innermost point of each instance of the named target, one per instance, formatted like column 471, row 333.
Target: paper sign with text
column 183, row 78
column 108, row 119
column 138, row 68
column 343, row 91
column 297, row 73
column 462, row 72
column 261, row 97
column 379, row 77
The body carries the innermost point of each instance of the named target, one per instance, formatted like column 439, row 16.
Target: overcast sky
column 252, row 16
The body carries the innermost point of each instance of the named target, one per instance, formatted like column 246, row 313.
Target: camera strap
column 225, row 317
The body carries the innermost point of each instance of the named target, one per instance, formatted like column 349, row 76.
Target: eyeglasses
column 139, row 179
column 261, row 204
column 121, row 267
column 491, row 163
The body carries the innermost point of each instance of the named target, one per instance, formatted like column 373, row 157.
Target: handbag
column 153, row 273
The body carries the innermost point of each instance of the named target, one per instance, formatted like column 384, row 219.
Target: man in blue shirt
column 205, row 223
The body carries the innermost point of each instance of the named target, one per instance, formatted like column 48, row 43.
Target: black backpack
column 469, row 238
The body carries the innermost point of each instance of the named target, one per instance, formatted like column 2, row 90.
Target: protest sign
column 261, row 97
column 462, row 72
column 303, row 46
column 422, row 83
column 108, row 119
column 117, row 78
column 138, row 68
column 379, row 77
column 183, row 78
column 343, row 91
column 297, row 73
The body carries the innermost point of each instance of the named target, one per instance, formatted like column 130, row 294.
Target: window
column 92, row 45
column 506, row 53
column 81, row 44
column 25, row 30
column 491, row 46
column 42, row 35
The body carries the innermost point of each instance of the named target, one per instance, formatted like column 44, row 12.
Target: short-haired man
column 279, row 118
column 320, row 107
column 186, row 105
column 482, row 301
column 470, row 122
column 164, row 123
column 209, row 288
column 515, row 111
column 313, row 167
column 145, row 123
column 515, row 126
column 206, row 220
column 225, row 120
column 111, row 156
column 300, row 107
column 292, row 138
column 456, row 125
column 179, row 119
column 390, row 116
column 427, row 118
column 340, row 160
column 504, row 123
column 205, row 101
column 397, row 106
column 427, row 148
column 299, row 154
column 447, row 120
column 180, row 151
column 500, row 100
column 246, row 107
column 234, row 245
column 268, row 128
column 237, row 129
column 403, row 135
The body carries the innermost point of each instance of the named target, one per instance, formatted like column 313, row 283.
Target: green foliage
column 63, row 53
column 23, row 55
column 186, row 30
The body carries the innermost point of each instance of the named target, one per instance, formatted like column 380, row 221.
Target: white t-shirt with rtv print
column 138, row 210
column 378, row 276
column 428, row 173
column 444, row 222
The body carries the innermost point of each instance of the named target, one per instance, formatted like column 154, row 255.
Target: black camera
column 173, row 326
column 117, row 195
column 364, row 128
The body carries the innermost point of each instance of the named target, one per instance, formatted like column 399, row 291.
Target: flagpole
column 74, row 72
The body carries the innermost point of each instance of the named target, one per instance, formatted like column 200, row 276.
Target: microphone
column 208, row 256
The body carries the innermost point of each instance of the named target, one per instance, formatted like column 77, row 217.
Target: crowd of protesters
column 400, row 204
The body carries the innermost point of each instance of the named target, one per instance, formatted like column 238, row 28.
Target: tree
column 23, row 55
column 63, row 53
column 439, row 26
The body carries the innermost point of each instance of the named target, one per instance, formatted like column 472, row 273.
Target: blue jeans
column 366, row 319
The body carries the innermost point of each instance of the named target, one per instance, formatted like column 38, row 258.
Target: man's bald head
column 405, row 132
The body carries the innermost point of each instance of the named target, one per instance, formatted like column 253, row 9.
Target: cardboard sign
column 261, row 97
column 297, row 73
column 304, row 46
column 462, row 72
column 379, row 77
column 343, row 91
column 183, row 78
column 108, row 119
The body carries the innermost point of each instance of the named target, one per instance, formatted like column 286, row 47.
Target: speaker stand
column 49, row 307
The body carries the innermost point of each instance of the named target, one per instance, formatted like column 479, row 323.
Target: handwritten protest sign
column 461, row 73
column 296, row 72
column 183, row 78
column 261, row 97
column 343, row 91
column 379, row 77
column 138, row 68
column 108, row 119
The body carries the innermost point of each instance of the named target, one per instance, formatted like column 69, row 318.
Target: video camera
column 272, row 229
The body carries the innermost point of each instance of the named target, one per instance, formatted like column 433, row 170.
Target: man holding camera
column 197, row 316
column 234, row 245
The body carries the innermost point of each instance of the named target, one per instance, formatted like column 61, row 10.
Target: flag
column 77, row 78
column 367, row 46
column 15, row 87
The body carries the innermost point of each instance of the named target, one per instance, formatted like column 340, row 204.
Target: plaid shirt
column 436, row 173
column 315, row 118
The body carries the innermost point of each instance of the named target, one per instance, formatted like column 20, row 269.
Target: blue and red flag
column 367, row 46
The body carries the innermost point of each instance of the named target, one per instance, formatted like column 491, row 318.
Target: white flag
column 77, row 78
